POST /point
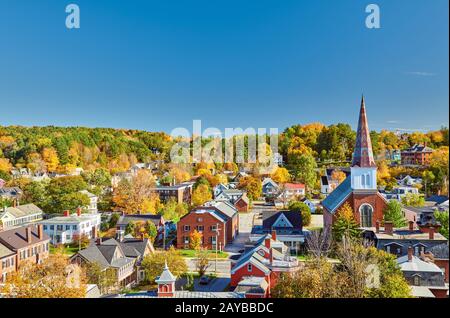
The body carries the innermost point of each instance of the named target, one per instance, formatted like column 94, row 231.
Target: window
column 186, row 240
column 67, row 227
column 45, row 227
column 187, row 228
column 199, row 219
column 213, row 228
column 200, row 228
column 52, row 227
column 366, row 211
column 416, row 281
column 74, row 227
column 249, row 267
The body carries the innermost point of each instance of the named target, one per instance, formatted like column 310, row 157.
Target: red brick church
column 359, row 189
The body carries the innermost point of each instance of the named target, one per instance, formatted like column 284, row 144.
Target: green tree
column 442, row 217
column 303, row 167
column 393, row 212
column 345, row 224
column 303, row 209
column 413, row 199
column 151, row 230
column 105, row 279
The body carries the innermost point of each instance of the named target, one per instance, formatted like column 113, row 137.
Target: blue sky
column 157, row 65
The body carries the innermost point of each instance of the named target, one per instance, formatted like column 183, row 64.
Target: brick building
column 181, row 193
column 417, row 155
column 28, row 243
column 217, row 221
column 359, row 189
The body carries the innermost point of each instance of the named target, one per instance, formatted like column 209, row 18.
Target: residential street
column 223, row 267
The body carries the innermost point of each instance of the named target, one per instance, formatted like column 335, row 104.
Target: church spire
column 363, row 154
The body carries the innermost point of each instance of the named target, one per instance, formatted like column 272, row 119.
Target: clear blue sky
column 157, row 65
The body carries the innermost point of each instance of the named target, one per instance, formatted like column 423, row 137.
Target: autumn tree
column 201, row 194
column 55, row 277
column 202, row 261
column 51, row 159
column 153, row 264
column 394, row 213
column 338, row 175
column 5, row 165
column 280, row 175
column 345, row 224
column 413, row 199
column 252, row 185
column 104, row 278
column 136, row 195
column 195, row 240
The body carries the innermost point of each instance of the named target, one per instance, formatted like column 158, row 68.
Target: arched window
column 366, row 212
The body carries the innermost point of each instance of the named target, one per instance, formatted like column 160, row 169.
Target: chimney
column 40, row 231
column 99, row 241
column 66, row 213
column 28, row 234
column 267, row 243
column 14, row 203
column 411, row 225
column 410, row 254
column 377, row 226
column 79, row 211
column 431, row 233
column 274, row 235
column 388, row 227
column 142, row 236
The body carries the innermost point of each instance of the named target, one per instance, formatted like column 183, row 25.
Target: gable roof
column 107, row 254
column 294, row 186
column 224, row 207
column 440, row 251
column 295, row 218
column 338, row 196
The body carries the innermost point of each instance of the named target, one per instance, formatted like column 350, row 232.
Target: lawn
column 69, row 251
column 193, row 254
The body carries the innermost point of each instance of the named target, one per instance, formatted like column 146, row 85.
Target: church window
column 366, row 211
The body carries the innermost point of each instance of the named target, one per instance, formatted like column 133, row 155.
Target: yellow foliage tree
column 281, row 175
column 55, row 277
column 195, row 240
column 50, row 157
column 201, row 195
column 338, row 175
column 5, row 165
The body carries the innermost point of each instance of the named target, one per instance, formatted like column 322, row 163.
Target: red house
column 217, row 221
column 257, row 270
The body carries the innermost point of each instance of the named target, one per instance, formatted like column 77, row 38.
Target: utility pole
column 217, row 242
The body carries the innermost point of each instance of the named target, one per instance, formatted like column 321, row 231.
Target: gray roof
column 417, row 265
column 223, row 206
column 106, row 254
column 252, row 285
column 338, row 195
column 440, row 251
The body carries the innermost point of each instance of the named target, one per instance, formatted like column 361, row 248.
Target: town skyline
column 166, row 65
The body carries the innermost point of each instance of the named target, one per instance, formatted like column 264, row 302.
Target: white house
column 19, row 215
column 93, row 200
column 65, row 229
